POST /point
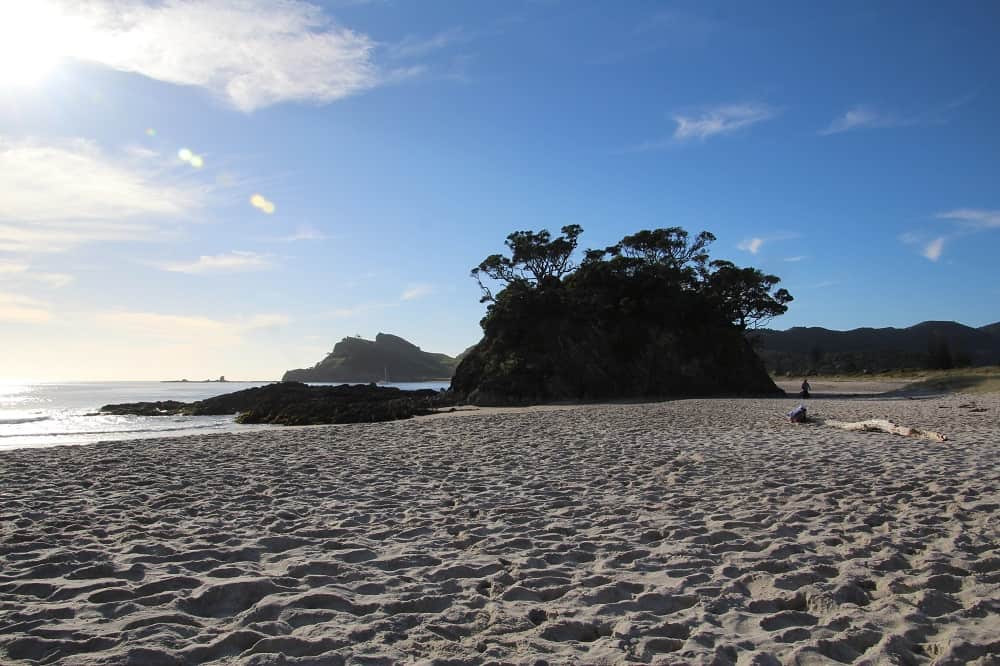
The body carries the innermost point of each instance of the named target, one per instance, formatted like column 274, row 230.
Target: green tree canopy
column 746, row 295
column 650, row 315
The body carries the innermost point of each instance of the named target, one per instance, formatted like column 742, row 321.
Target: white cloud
column 181, row 329
column 867, row 117
column 304, row 233
column 21, row 309
column 933, row 249
column 860, row 117
column 14, row 270
column 976, row 218
column 415, row 47
column 357, row 310
column 301, row 233
column 173, row 328
column 59, row 195
column 13, row 267
column 971, row 221
column 52, row 279
column 415, row 291
column 798, row 258
column 720, row 120
column 268, row 321
column 230, row 262
column 253, row 53
column 751, row 245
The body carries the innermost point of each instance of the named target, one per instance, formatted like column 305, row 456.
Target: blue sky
column 850, row 149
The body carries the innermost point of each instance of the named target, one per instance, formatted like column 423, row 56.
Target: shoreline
column 668, row 532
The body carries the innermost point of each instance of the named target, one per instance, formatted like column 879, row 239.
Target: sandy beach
column 693, row 531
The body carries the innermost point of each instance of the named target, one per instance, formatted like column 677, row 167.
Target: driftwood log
column 882, row 425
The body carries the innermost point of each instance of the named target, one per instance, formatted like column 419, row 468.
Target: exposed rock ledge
column 294, row 403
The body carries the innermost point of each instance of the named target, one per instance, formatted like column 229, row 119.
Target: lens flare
column 262, row 204
column 187, row 155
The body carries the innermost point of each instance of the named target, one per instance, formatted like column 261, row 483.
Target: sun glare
column 34, row 36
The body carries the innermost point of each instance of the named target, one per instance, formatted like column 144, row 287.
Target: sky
column 195, row 188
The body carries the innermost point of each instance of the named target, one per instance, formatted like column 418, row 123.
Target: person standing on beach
column 805, row 388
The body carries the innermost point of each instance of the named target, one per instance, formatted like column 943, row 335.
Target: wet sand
column 694, row 531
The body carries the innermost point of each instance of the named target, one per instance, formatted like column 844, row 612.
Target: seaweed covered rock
column 645, row 318
column 294, row 403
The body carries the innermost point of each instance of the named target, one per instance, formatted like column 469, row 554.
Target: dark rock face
column 492, row 375
column 293, row 403
column 158, row 408
column 537, row 348
column 358, row 360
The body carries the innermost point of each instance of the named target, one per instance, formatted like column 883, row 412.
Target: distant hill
column 929, row 344
column 359, row 360
column 992, row 329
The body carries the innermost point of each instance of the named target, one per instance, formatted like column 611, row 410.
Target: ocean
column 52, row 414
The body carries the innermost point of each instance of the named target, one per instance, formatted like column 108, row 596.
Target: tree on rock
column 648, row 316
column 746, row 295
column 535, row 258
column 668, row 248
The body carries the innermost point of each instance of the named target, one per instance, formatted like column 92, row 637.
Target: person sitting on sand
column 805, row 389
column 798, row 415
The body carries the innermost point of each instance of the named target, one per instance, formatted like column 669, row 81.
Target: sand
column 695, row 531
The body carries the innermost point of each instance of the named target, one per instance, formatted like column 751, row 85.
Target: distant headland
column 387, row 358
column 220, row 380
column 931, row 345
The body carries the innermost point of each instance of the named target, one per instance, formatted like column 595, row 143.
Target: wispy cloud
column 930, row 248
column 230, row 262
column 22, row 309
column 357, row 310
column 253, row 53
column 57, row 195
column 754, row 244
column 178, row 329
column 864, row 116
column 933, row 249
column 416, row 47
column 798, row 258
column 860, row 117
column 272, row 320
column 974, row 218
column 720, row 120
column 967, row 221
column 670, row 28
column 301, row 233
column 304, row 233
column 21, row 272
column 415, row 291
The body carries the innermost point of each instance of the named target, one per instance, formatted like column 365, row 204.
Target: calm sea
column 51, row 414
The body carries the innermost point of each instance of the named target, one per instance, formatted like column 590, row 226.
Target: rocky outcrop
column 387, row 357
column 589, row 366
column 294, row 403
